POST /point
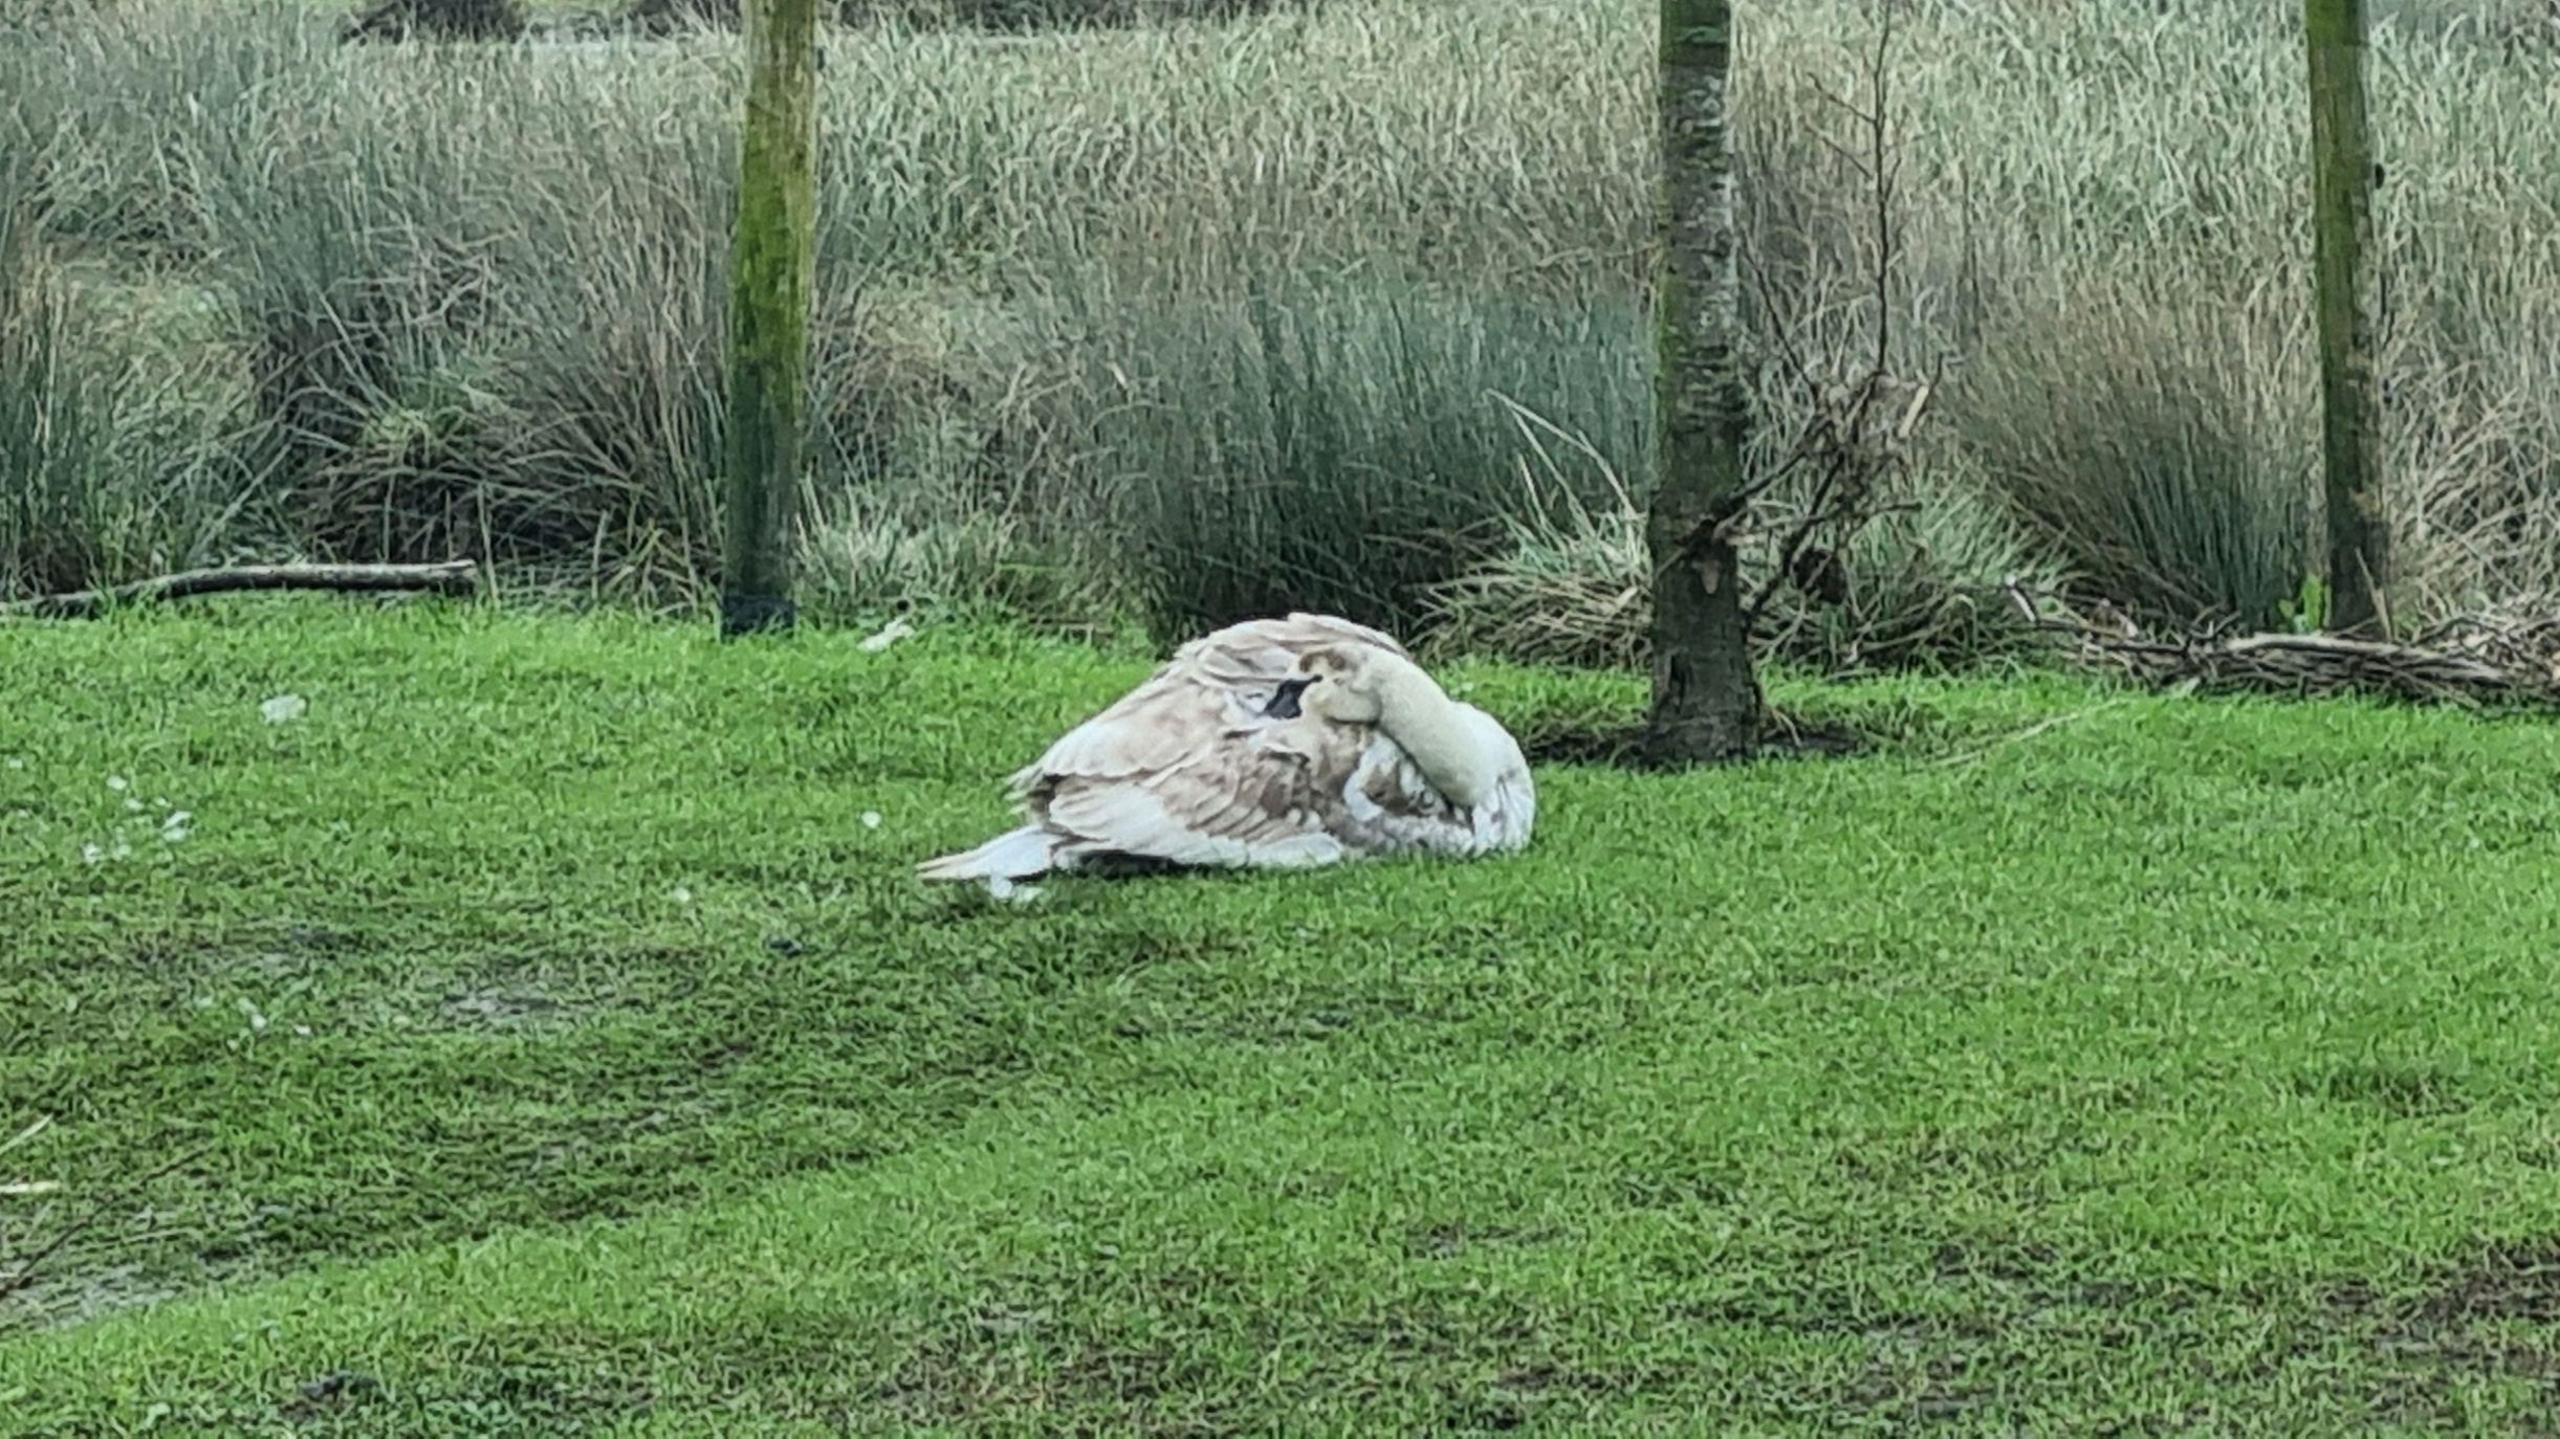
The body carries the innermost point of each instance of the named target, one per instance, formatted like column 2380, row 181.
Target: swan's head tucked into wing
column 1343, row 683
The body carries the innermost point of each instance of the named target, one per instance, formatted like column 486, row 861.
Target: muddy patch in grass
column 1450, row 1240
column 70, row 1294
column 2491, row 1317
column 507, row 1007
column 2505, row 1281
column 330, row 1394
column 995, row 1370
column 525, row 1391
column 2420, row 1352
column 2401, row 1091
column 504, row 999
column 1089, row 1352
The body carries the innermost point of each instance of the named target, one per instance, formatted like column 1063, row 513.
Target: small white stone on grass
column 890, row 634
column 283, row 709
column 871, row 819
column 680, row 895
column 1005, row 891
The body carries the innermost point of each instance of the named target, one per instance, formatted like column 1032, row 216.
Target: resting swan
column 1282, row 743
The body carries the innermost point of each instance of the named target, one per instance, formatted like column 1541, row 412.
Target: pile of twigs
column 2478, row 662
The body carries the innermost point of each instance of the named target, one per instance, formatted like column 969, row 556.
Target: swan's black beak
column 1284, row 700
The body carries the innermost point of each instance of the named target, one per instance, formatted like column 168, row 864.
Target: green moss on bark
column 2342, row 228
column 773, row 269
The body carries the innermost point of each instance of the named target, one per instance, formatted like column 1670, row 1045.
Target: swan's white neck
column 1431, row 729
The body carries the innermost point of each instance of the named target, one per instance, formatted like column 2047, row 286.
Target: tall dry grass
column 1335, row 305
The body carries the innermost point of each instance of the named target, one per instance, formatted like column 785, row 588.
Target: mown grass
column 552, row 1044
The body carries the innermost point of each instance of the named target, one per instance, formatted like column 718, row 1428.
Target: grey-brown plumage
column 1210, row 762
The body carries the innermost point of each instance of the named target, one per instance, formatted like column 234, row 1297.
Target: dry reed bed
column 1342, row 307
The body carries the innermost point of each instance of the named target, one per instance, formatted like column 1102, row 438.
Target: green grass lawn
column 552, row 1043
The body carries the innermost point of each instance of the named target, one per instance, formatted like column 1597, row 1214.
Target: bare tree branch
column 453, row 577
column 1859, row 415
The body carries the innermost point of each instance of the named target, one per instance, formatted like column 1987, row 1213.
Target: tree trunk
column 2342, row 227
column 1706, row 699
column 773, row 260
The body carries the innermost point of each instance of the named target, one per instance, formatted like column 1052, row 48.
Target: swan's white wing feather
column 1154, row 727
column 1257, row 798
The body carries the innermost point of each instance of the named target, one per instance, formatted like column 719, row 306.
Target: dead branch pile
column 2478, row 662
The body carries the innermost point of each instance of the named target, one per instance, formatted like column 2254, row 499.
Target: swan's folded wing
column 1260, row 799
column 1211, row 694
column 1154, row 727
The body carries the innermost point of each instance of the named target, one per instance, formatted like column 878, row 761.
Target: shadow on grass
column 1621, row 745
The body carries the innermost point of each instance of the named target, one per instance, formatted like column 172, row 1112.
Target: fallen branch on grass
column 451, row 577
column 2474, row 662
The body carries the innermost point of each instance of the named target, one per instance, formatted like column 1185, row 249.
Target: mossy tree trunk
column 1706, row 698
column 2342, row 228
column 773, row 263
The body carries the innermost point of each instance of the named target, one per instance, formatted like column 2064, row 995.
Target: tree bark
column 773, row 263
column 2342, row 229
column 1706, row 698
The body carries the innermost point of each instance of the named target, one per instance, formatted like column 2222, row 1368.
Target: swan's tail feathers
column 1023, row 854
